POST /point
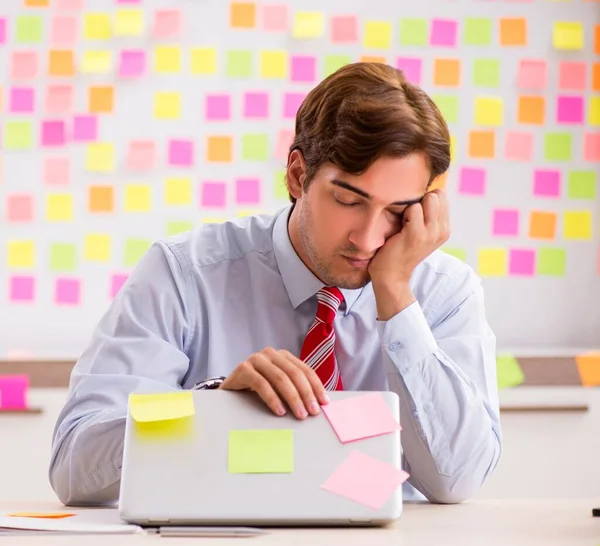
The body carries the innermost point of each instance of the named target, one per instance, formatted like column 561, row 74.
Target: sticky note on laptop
column 153, row 407
column 361, row 416
column 261, row 451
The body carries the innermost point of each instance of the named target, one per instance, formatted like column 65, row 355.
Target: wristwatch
column 211, row 383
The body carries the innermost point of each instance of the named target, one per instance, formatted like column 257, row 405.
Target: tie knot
column 329, row 300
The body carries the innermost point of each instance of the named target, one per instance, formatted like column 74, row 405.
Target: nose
column 370, row 235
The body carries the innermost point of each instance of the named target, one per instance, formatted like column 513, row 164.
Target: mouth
column 358, row 263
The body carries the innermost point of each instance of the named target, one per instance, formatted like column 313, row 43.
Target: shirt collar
column 299, row 281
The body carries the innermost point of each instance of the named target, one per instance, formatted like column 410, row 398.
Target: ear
column 296, row 173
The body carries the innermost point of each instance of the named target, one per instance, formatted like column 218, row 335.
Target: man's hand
column 274, row 374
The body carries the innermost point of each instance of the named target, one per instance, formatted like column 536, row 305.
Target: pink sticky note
column 63, row 30
column 19, row 207
column 285, row 137
column 57, row 171
column 116, row 283
column 291, row 104
column 181, row 153
column 53, row 133
column 247, row 191
column 521, row 262
column 2, row 30
column 213, row 194
column 572, row 75
column 22, row 100
column 128, row 1
column 505, row 222
column 360, row 416
column 472, row 181
column 591, row 147
column 303, row 68
column 13, row 391
column 85, row 128
column 519, row 146
column 69, row 5
column 141, row 155
column 21, row 288
column 365, row 479
column 443, row 33
column 67, row 291
column 167, row 23
column 256, row 105
column 274, row 17
column 344, row 29
column 59, row 99
column 533, row 74
column 546, row 183
column 132, row 63
column 24, row 65
column 411, row 67
column 217, row 107
column 569, row 109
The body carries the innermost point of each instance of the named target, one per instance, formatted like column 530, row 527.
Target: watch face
column 212, row 383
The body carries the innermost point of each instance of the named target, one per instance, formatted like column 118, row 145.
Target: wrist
column 392, row 298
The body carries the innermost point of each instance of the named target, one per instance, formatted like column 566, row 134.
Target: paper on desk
column 45, row 515
column 66, row 525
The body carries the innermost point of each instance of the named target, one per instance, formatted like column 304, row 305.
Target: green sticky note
column 459, row 253
column 557, row 146
column 414, row 32
column 551, row 261
column 582, row 185
column 448, row 106
column 173, row 228
column 63, row 257
column 18, row 135
column 486, row 72
column 261, row 451
column 239, row 64
column 255, row 147
column 29, row 29
column 134, row 250
column 477, row 31
column 508, row 371
column 333, row 62
column 281, row 191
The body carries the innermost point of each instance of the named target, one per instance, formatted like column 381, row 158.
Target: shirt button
column 395, row 346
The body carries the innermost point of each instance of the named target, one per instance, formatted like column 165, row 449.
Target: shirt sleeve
column 446, row 380
column 139, row 345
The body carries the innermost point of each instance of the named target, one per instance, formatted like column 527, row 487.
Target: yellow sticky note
column 59, row 207
column 308, row 24
column 42, row 515
column 489, row 111
column 138, row 198
column 129, row 22
column 273, row 64
column 578, row 224
column 378, row 34
column 100, row 157
column 167, row 105
column 178, row 191
column 96, row 247
column 594, row 111
column 203, row 60
column 21, row 254
column 213, row 220
column 96, row 62
column 453, row 149
column 96, row 26
column 492, row 262
column 167, row 59
column 149, row 408
column 568, row 35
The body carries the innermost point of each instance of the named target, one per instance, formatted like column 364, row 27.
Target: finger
column 431, row 208
column 444, row 214
column 318, row 388
column 259, row 384
column 413, row 217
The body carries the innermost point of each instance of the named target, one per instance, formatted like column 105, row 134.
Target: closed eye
column 344, row 204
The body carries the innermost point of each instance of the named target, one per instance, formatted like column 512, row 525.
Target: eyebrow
column 364, row 194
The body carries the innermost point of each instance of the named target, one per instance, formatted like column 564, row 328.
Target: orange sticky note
column 597, row 39
column 61, row 63
column 373, row 59
column 446, row 72
column 513, row 31
column 439, row 183
column 101, row 198
column 542, row 225
column 531, row 110
column 219, row 149
column 101, row 99
column 596, row 77
column 588, row 366
column 242, row 14
column 37, row 3
column 482, row 144
column 49, row 515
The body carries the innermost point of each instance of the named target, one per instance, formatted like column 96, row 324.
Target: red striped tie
column 318, row 348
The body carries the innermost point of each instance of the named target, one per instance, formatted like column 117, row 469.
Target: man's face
column 341, row 220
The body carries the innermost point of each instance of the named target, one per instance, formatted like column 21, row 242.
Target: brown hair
column 364, row 111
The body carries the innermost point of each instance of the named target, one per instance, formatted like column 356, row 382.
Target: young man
column 344, row 289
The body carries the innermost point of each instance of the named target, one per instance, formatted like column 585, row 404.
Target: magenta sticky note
column 569, row 109
column 217, row 107
column 13, row 391
column 365, row 479
column 116, row 283
column 22, row 100
column 521, row 262
column 53, row 133
column 167, row 23
column 67, row 291
column 63, row 30
column 533, row 74
column 274, row 17
column 591, row 147
column 141, row 155
column 546, row 183
column 344, row 29
column 572, row 75
column 19, row 207
column 360, row 416
column 24, row 65
column 291, row 104
column 256, row 105
column 59, row 99
column 412, row 68
column 21, row 288
column 247, row 191
column 518, row 146
column 303, row 68
column 2, row 30
column 505, row 222
column 285, row 137
column 181, row 153
column 443, row 33
column 132, row 63
column 471, row 181
column 57, row 171
column 213, row 194
column 85, row 128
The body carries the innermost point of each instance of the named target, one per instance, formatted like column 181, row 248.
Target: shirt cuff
column 407, row 337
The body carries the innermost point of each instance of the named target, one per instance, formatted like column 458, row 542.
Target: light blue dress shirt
column 200, row 303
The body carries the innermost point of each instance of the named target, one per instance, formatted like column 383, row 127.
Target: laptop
column 215, row 457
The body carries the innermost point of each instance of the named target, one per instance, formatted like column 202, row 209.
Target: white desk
column 474, row 523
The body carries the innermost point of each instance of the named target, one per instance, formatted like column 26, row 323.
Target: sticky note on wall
column 308, row 24
column 508, row 371
column 568, row 35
